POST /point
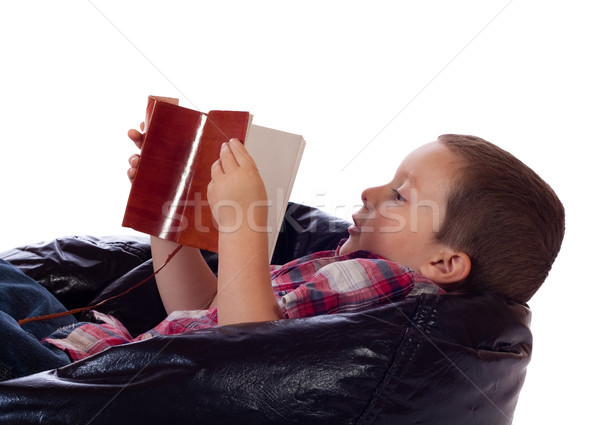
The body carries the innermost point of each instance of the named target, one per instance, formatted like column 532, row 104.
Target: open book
column 168, row 194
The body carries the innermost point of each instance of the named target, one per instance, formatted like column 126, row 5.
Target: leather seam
column 395, row 364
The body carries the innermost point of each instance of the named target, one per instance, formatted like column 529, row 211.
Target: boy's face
column 398, row 220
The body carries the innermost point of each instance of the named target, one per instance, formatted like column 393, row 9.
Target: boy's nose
column 363, row 196
column 369, row 197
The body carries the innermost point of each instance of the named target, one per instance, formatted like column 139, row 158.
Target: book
column 168, row 194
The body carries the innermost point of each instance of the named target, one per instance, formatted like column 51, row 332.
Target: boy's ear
column 447, row 267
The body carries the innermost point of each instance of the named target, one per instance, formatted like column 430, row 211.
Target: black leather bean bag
column 450, row 359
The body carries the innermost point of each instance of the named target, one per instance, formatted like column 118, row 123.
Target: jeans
column 21, row 352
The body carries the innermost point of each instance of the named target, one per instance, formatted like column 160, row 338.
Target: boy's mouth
column 354, row 229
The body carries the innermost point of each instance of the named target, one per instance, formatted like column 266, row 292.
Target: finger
column 228, row 160
column 131, row 174
column 216, row 169
column 134, row 160
column 142, row 125
column 136, row 137
column 240, row 152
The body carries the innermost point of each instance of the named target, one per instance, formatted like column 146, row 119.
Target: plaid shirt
column 317, row 284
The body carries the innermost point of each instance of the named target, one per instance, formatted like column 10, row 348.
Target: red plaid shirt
column 320, row 283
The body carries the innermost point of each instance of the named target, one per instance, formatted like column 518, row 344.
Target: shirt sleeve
column 350, row 285
column 83, row 339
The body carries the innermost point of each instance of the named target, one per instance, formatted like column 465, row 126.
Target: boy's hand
column 134, row 160
column 236, row 193
column 238, row 201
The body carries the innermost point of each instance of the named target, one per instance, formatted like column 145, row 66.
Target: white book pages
column 277, row 155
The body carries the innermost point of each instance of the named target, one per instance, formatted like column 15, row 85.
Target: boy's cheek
column 394, row 224
column 392, row 220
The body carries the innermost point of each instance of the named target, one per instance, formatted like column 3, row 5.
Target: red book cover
column 168, row 194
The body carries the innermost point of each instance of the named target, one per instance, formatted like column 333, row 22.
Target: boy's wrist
column 244, row 234
column 234, row 218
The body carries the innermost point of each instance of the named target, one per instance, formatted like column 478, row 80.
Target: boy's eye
column 398, row 196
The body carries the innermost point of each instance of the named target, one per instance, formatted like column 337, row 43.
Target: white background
column 365, row 83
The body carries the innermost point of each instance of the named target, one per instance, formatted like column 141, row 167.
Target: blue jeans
column 21, row 352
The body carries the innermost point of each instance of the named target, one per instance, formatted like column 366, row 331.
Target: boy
column 460, row 211
column 460, row 214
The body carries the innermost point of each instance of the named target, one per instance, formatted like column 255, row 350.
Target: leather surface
column 449, row 359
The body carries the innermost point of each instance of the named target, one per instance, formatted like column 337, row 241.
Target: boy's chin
column 348, row 247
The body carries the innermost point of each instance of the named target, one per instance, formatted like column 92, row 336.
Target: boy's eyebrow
column 412, row 181
column 407, row 177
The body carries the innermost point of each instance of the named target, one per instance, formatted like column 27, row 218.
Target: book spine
column 152, row 206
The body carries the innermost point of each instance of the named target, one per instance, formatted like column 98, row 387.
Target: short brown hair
column 504, row 216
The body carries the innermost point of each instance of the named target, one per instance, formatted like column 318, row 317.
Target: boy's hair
column 504, row 216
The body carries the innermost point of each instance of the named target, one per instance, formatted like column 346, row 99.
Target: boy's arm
column 186, row 283
column 238, row 202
